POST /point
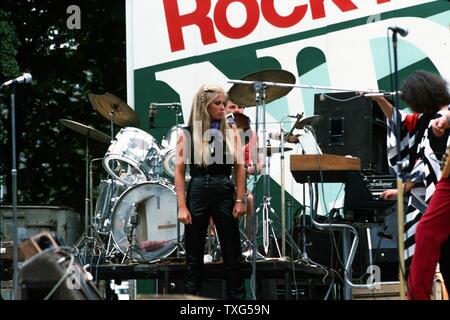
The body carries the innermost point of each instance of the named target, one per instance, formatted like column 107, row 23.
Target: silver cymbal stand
column 87, row 236
column 260, row 103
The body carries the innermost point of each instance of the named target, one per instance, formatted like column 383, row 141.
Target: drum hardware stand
column 303, row 220
column 213, row 243
column 133, row 223
column 282, row 182
column 267, row 210
column 111, row 121
column 90, row 234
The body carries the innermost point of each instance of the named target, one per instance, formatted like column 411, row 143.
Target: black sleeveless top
column 214, row 169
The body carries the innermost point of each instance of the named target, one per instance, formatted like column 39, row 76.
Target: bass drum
column 146, row 214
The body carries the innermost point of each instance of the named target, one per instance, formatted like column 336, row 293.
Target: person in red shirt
column 431, row 233
column 238, row 119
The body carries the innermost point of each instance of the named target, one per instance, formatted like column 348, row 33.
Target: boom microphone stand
column 25, row 78
column 14, row 192
column 400, row 173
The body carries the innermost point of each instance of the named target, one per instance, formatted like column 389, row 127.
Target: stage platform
column 290, row 273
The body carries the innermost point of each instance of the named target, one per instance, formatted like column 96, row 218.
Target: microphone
column 400, row 31
column 151, row 116
column 381, row 94
column 276, row 135
column 25, row 78
column 169, row 106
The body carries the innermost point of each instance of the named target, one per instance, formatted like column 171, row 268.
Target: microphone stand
column 259, row 99
column 400, row 173
column 14, row 193
column 283, row 207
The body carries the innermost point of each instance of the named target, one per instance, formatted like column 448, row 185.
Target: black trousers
column 210, row 195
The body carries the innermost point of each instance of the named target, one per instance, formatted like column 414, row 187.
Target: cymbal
column 271, row 150
column 245, row 94
column 86, row 130
column 124, row 115
column 308, row 121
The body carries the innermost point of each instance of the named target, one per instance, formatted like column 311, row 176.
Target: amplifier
column 32, row 220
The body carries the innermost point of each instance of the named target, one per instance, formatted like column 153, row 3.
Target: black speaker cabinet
column 46, row 271
column 211, row 288
column 352, row 125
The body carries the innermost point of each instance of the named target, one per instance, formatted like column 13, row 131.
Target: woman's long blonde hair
column 200, row 122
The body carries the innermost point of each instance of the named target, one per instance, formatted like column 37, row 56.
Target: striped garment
column 424, row 152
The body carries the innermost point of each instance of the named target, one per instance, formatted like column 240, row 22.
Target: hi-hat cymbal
column 86, row 130
column 123, row 115
column 271, row 150
column 308, row 121
column 245, row 94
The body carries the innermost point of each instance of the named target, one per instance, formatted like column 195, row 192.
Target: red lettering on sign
column 224, row 27
column 271, row 15
column 318, row 9
column 199, row 17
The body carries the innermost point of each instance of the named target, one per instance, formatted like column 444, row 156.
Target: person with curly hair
column 428, row 97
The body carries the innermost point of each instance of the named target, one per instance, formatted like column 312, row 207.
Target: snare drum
column 134, row 157
column 148, row 212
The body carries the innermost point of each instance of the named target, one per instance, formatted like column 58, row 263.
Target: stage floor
column 290, row 273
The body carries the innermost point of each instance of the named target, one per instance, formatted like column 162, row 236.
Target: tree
column 67, row 65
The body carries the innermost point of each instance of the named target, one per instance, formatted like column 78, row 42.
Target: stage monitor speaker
column 352, row 125
column 51, row 273
column 47, row 270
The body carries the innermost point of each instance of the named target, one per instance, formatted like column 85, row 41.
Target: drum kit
column 135, row 214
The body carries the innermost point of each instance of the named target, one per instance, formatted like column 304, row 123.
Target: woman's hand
column 238, row 210
column 390, row 194
column 184, row 216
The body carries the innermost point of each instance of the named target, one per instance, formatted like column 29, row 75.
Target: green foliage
column 8, row 46
column 66, row 66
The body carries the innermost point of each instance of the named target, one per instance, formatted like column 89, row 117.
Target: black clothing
column 211, row 193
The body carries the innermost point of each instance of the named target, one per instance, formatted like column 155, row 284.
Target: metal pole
column 86, row 196
column 14, row 194
column 400, row 209
column 283, row 195
column 288, row 85
column 255, row 195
